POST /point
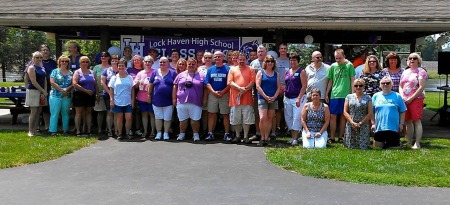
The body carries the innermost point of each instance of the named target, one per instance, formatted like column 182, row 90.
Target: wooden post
column 105, row 38
column 59, row 46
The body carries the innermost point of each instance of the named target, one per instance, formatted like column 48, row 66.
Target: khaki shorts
column 100, row 105
column 242, row 114
column 32, row 98
column 218, row 104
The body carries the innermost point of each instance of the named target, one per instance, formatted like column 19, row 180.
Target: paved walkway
column 112, row 172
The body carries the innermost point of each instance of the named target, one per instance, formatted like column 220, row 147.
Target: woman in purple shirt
column 84, row 95
column 160, row 95
column 36, row 92
column 187, row 96
column 296, row 81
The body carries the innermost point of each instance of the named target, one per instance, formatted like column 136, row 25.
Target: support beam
column 412, row 46
column 59, row 46
column 105, row 38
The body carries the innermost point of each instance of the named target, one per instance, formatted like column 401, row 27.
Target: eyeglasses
column 372, row 61
column 64, row 61
column 38, row 57
column 318, row 57
column 270, row 61
column 217, row 56
column 385, row 83
column 358, row 86
column 412, row 58
column 84, row 61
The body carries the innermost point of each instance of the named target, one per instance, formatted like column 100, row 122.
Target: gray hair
column 148, row 58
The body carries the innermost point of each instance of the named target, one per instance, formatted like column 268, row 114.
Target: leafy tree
column 16, row 47
column 429, row 50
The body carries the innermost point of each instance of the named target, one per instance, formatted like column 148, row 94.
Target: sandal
column 340, row 140
column 329, row 141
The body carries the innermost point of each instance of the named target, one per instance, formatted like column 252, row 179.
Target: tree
column 16, row 47
column 429, row 50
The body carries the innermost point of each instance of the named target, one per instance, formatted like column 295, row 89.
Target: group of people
column 152, row 93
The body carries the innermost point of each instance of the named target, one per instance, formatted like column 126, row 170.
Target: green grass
column 9, row 84
column 429, row 166
column 17, row 149
column 433, row 100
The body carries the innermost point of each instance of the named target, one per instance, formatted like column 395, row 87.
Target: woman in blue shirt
column 60, row 95
column 268, row 86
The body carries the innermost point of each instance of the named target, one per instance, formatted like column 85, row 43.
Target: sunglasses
column 38, row 57
column 217, row 56
column 208, row 57
column 64, row 61
column 413, row 58
column 358, row 86
column 372, row 61
column 318, row 57
column 385, row 83
column 270, row 61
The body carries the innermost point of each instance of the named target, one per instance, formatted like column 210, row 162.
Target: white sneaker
column 196, row 137
column 166, row 136
column 294, row 142
column 139, row 133
column 158, row 136
column 180, row 137
column 30, row 134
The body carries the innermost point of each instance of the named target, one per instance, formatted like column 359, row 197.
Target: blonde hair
column 419, row 59
column 63, row 57
column 366, row 68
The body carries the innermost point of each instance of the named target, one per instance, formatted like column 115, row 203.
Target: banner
column 188, row 46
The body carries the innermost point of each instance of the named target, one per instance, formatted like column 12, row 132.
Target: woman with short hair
column 100, row 106
column 388, row 115
column 36, row 93
column 60, row 95
column 142, row 81
column 160, row 96
column 268, row 86
column 187, row 96
column 358, row 112
column 105, row 78
column 412, row 86
column 84, row 95
column 393, row 69
column 122, row 98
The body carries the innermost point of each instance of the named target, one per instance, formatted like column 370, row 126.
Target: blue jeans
column 59, row 105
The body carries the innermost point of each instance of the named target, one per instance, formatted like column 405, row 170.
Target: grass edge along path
column 427, row 167
column 17, row 149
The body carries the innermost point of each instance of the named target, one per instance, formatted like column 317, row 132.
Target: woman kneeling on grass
column 315, row 120
column 389, row 115
column 122, row 98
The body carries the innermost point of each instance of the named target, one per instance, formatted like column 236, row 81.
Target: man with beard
column 241, row 80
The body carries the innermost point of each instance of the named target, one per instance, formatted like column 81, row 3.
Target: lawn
column 17, row 149
column 434, row 100
column 429, row 166
column 9, row 84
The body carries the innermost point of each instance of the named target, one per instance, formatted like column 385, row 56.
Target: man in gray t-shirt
column 282, row 68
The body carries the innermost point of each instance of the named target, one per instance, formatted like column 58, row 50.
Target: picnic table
column 16, row 96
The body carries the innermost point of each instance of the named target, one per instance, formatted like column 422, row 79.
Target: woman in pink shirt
column 141, row 83
column 412, row 85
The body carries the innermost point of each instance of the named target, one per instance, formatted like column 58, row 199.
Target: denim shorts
column 122, row 109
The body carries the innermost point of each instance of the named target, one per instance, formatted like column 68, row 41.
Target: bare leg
column 46, row 116
column 152, row 123
column 183, row 126
column 237, row 130
column 88, row 117
column 100, row 118
column 109, row 120
column 246, row 130
column 145, row 116
column 418, row 133
column 167, row 126
column 32, row 120
column 333, row 127
column 212, row 119
column 342, row 122
column 409, row 131
column 226, row 122
column 78, row 115
column 195, row 124
column 119, row 117
column 128, row 121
